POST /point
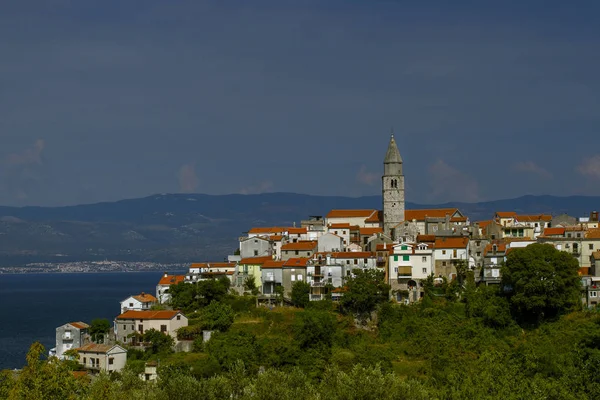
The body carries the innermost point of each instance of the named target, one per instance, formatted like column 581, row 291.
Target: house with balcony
column 293, row 270
column 324, row 272
column 303, row 249
column 210, row 270
column 271, row 276
column 138, row 302
column 448, row 252
column 351, row 260
column 70, row 336
column 102, row 357
column 130, row 325
column 249, row 267
column 165, row 282
column 409, row 265
column 494, row 256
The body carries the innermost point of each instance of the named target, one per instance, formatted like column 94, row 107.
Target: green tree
column 250, row 285
column 159, row 342
column 541, row 282
column 314, row 329
column 300, row 294
column 364, row 292
column 217, row 316
column 99, row 328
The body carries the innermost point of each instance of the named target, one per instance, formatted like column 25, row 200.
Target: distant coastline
column 93, row 267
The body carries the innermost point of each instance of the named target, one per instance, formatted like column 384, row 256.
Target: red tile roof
column 270, row 229
column 351, row 213
column 296, row 231
column 276, row 238
column 554, row 231
column 451, row 242
column 500, row 248
column 272, row 264
column 370, row 231
column 534, row 218
column 96, row 348
column 296, row 262
column 79, row 325
column 385, row 247
column 301, row 245
column 506, row 214
column 426, row 238
column 420, row 215
column 171, row 279
column 596, row 255
column 352, row 254
column 339, row 226
column 584, row 271
column 255, row 260
column 375, row 218
column 160, row 314
column 145, row 298
column 213, row 265
column 458, row 219
column 593, row 233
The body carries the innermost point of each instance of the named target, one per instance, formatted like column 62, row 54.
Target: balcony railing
column 318, row 284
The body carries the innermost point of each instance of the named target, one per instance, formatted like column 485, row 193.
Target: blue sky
column 107, row 100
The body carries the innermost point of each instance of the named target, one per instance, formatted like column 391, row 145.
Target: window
column 579, row 235
column 296, row 252
column 111, row 361
column 130, row 304
column 141, row 328
column 478, row 243
column 478, row 254
column 336, row 232
column 454, row 253
column 133, row 327
column 84, row 360
column 366, row 261
column 395, row 270
column 443, row 263
column 404, row 248
column 443, row 251
column 424, row 259
column 299, row 277
column 124, row 340
column 163, row 328
column 255, row 252
column 592, row 294
column 405, row 258
column 424, row 270
column 255, row 241
column 355, row 261
column 568, row 235
column 591, row 246
column 293, row 277
column 124, row 327
column 178, row 317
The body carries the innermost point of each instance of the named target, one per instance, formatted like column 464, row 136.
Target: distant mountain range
column 195, row 227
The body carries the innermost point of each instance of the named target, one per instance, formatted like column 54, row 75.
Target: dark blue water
column 33, row 305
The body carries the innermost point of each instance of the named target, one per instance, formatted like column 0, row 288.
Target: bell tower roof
column 392, row 155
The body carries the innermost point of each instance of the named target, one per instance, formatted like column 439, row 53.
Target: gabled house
column 297, row 234
column 353, row 217
column 255, row 246
column 138, row 302
column 367, row 234
column 409, row 265
column 323, row 272
column 249, row 267
column 448, row 252
column 330, row 242
column 428, row 222
column 342, row 230
column 70, row 336
column 271, row 276
column 162, row 288
column 298, row 250
column 102, row 357
column 130, row 324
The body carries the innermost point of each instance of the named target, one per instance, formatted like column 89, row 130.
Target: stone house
column 102, row 357
column 302, row 249
column 70, row 336
column 130, row 324
column 293, row 270
column 255, row 246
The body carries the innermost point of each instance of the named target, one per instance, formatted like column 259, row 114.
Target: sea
column 32, row 306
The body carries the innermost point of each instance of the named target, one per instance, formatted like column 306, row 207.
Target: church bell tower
column 392, row 188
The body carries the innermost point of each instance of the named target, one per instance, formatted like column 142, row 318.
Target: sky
column 112, row 99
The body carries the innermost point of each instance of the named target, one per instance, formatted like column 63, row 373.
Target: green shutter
column 405, row 258
column 395, row 258
column 404, row 248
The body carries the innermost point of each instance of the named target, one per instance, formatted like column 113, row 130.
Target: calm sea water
column 33, row 305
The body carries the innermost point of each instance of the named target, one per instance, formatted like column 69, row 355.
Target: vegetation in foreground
column 459, row 342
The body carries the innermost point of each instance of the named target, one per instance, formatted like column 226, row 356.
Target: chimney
column 166, row 275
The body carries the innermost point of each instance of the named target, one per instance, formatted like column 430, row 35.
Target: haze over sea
column 33, row 305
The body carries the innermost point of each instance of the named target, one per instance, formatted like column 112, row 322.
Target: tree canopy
column 300, row 295
column 541, row 282
column 365, row 291
column 99, row 328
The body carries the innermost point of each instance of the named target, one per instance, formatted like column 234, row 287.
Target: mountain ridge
column 192, row 227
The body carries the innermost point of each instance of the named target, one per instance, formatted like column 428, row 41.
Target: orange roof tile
column 270, row 229
column 385, row 247
column 534, row 218
column 420, row 215
column 160, row 314
column 79, row 325
column 145, row 298
column 301, row 245
column 584, row 271
column 370, row 231
column 171, row 279
column 554, row 231
column 350, row 213
column 296, row 262
column 276, row 238
column 451, row 242
column 506, row 214
column 593, row 233
column 425, row 238
column 296, row 231
column 375, row 218
column 500, row 248
column 339, row 226
column 352, row 254
column 95, row 348
column 213, row 265
column 596, row 255
column 273, row 264
column 458, row 219
column 255, row 260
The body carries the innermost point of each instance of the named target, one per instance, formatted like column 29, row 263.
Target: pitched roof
column 353, row 254
column 451, row 242
column 376, row 217
column 500, row 248
column 97, row 348
column 301, row 245
column 554, row 231
column 171, row 279
column 273, row 264
column 145, row 298
column 255, row 260
column 296, row 231
column 350, row 213
column 339, row 226
column 269, row 229
column 213, row 265
column 370, row 231
column 458, row 219
column 276, row 238
column 534, row 218
column 506, row 214
column 384, row 247
column 593, row 233
column 150, row 314
column 425, row 238
column 421, row 215
column 296, row 262
column 392, row 154
column 79, row 325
